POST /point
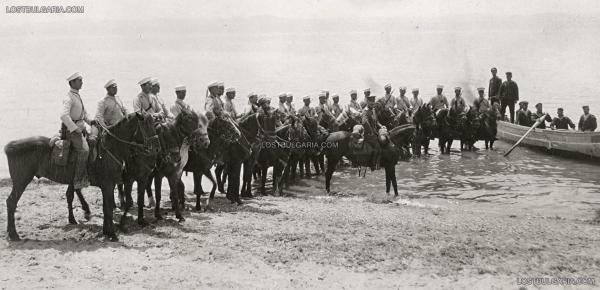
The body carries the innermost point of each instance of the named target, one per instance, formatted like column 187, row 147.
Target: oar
column 537, row 122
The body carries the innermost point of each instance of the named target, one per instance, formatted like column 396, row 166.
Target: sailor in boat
column 587, row 122
column 74, row 119
column 180, row 103
column 524, row 115
column 538, row 114
column 562, row 121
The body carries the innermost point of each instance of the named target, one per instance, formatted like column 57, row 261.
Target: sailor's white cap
column 322, row 94
column 367, row 90
column 154, row 81
column 306, row 98
column 335, row 96
column 110, row 83
column 282, row 95
column 481, row 89
column 213, row 84
column 180, row 88
column 230, row 90
column 457, row 89
column 415, row 90
column 439, row 87
column 289, row 94
column 403, row 89
column 353, row 92
column 252, row 94
column 388, row 86
column 145, row 80
column 74, row 76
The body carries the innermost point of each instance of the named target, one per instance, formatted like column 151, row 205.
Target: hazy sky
column 136, row 9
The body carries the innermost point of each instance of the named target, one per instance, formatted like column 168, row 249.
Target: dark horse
column 189, row 126
column 31, row 157
column 425, row 126
column 450, row 126
column 480, row 126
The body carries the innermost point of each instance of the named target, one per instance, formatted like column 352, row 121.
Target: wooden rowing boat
column 576, row 143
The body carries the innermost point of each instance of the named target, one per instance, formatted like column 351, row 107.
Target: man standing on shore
column 509, row 95
column 562, row 121
column 587, row 122
column 538, row 114
column 439, row 101
column 494, row 88
column 73, row 118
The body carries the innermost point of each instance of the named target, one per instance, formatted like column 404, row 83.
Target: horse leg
column 84, row 205
column 220, row 182
column 108, row 199
column 449, row 145
column 173, row 180
column 321, row 163
column 426, row 145
column 300, row 165
column 70, row 196
column 151, row 201
column 332, row 162
column 388, row 181
column 392, row 170
column 158, row 190
column 181, row 193
column 263, row 179
column 19, row 185
column 198, row 182
column 492, row 144
column 212, row 192
column 141, row 188
column 306, row 163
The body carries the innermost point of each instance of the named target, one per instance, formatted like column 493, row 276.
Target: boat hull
column 575, row 143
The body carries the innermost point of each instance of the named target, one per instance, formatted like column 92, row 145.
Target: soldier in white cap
column 336, row 109
column 323, row 108
column 213, row 104
column 415, row 102
column 228, row 105
column 252, row 106
column 161, row 104
column 439, row 101
column 110, row 108
column 180, row 104
column 289, row 102
column 144, row 101
column 354, row 102
column 458, row 103
column 282, row 108
column 364, row 102
column 306, row 110
column 388, row 100
column 402, row 102
column 481, row 104
column 74, row 118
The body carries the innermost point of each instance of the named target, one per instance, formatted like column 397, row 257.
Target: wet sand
column 357, row 239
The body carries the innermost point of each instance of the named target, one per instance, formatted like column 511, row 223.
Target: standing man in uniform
column 306, row 110
column 538, row 114
column 439, row 101
column 229, row 106
column 74, row 117
column 144, row 102
column 587, row 122
column 509, row 95
column 180, row 104
column 110, row 108
column 562, row 121
column 336, row 109
column 494, row 87
column 354, row 102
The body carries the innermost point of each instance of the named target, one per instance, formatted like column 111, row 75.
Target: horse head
column 194, row 126
column 311, row 125
column 425, row 119
column 142, row 126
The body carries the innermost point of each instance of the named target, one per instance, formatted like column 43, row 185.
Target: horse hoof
column 113, row 237
column 87, row 216
column 198, row 208
column 72, row 221
column 181, row 219
column 142, row 222
column 13, row 236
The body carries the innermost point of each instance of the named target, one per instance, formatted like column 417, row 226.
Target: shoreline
column 355, row 239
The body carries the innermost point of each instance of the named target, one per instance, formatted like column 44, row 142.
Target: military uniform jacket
column 179, row 106
column 458, row 104
column 509, row 91
column 536, row 115
column 563, row 123
column 354, row 105
column 402, row 103
column 110, row 111
column 439, row 102
column 482, row 105
column 306, row 111
column 415, row 104
column 146, row 103
column 523, row 118
column 229, row 107
column 494, row 87
column 588, row 123
column 73, row 113
column 388, row 101
column 336, row 109
column 213, row 107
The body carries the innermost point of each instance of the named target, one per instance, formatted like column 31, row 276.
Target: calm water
column 557, row 68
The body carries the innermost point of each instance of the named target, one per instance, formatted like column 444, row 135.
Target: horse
column 425, row 125
column 470, row 130
column 298, row 138
column 189, row 126
column 31, row 157
column 450, row 125
column 317, row 134
column 480, row 126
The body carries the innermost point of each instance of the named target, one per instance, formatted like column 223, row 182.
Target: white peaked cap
column 213, row 84
column 110, row 83
column 74, row 76
column 180, row 88
column 154, row 81
column 440, row 86
column 145, row 80
column 353, row 92
column 415, row 89
column 230, row 90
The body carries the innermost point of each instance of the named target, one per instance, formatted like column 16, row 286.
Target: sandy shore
column 353, row 240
